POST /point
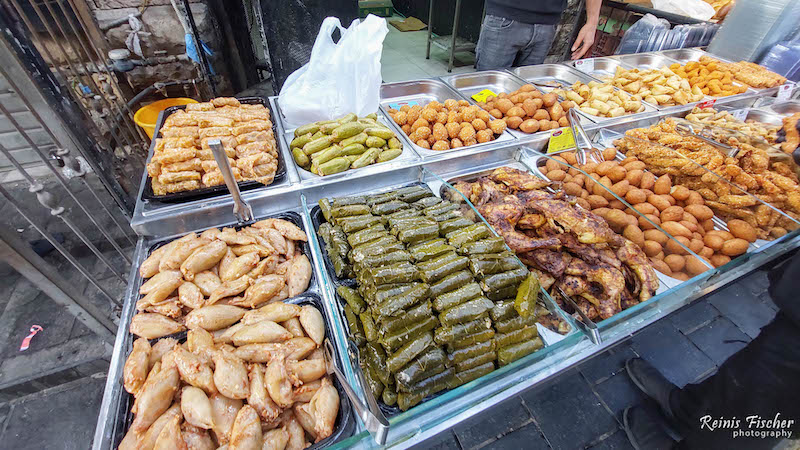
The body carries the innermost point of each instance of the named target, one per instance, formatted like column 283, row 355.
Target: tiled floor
column 403, row 57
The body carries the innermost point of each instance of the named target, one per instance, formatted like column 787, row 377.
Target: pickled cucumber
column 393, row 142
column 381, row 132
column 375, row 142
column 334, row 151
column 347, row 130
column 300, row 158
column 388, row 155
column 335, row 165
column 317, row 145
column 360, row 138
column 307, row 129
column 353, row 149
column 300, row 141
column 367, row 158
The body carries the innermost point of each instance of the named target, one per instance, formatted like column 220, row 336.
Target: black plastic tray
column 344, row 425
column 212, row 191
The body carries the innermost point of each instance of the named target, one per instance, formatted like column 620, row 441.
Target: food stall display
column 435, row 301
column 182, row 160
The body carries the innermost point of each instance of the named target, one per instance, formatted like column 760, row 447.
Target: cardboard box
column 380, row 8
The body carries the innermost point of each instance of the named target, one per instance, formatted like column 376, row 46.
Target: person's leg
column 763, row 379
column 499, row 42
column 536, row 49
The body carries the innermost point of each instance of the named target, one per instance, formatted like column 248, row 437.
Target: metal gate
column 67, row 133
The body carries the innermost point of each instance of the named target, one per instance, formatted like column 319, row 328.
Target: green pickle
column 311, row 128
column 516, row 351
column 394, row 143
column 333, row 166
column 300, row 158
column 375, row 142
column 457, row 297
column 353, row 149
column 380, row 132
column 320, row 158
column 409, row 351
column 300, row 141
column 352, row 298
column 347, row 130
column 350, row 117
column 317, row 145
column 367, row 158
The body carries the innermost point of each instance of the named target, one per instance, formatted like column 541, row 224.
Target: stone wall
column 161, row 35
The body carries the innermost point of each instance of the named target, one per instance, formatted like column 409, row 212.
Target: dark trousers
column 762, row 379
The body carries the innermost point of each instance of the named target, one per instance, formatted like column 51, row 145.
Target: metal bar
column 430, row 29
column 455, row 35
column 20, row 94
column 62, row 181
column 10, row 198
column 53, row 36
column 46, row 127
column 123, row 229
column 59, row 211
column 102, row 57
column 199, row 47
column 61, row 74
column 25, row 261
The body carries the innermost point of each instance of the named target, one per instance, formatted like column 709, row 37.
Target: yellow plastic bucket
column 147, row 115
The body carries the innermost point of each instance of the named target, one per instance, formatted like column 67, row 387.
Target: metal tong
column 587, row 326
column 370, row 414
column 685, row 129
column 579, row 133
column 241, row 209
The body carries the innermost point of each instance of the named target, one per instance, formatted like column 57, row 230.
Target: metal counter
column 156, row 222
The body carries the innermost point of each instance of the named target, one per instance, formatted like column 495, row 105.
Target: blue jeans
column 505, row 43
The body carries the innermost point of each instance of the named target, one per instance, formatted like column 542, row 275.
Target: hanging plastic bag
column 340, row 78
column 696, row 9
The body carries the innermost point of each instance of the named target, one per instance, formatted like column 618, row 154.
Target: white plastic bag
column 696, row 9
column 340, row 78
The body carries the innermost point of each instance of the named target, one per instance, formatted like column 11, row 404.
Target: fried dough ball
column 400, row 118
column 452, row 129
column 456, row 143
column 440, row 145
column 424, row 144
column 429, row 114
column 467, row 132
column 498, row 126
column 484, row 135
column 439, row 132
column 478, row 124
column 424, row 132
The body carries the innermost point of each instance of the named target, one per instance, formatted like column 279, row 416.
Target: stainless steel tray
column 685, row 55
column 645, row 60
column 604, row 67
column 407, row 155
column 422, row 92
column 468, row 84
column 785, row 108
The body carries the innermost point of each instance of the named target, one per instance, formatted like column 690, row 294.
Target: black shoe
column 646, row 429
column 650, row 381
